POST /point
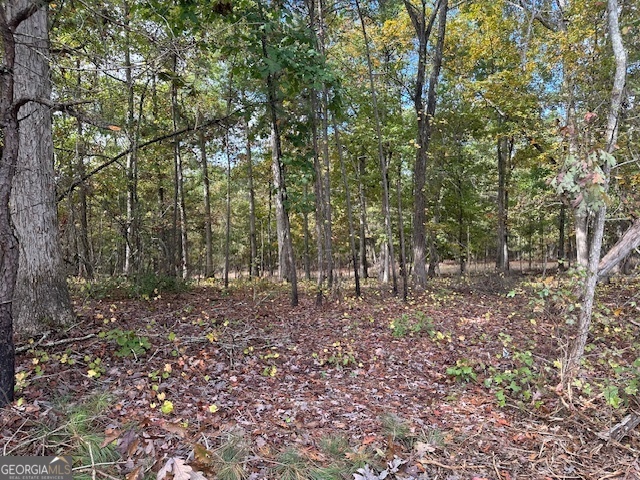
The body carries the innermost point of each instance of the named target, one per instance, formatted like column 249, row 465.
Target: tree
column 382, row 158
column 424, row 113
column 604, row 164
column 41, row 299
column 10, row 18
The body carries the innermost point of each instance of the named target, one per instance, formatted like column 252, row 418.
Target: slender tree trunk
column 206, row 194
column 360, row 171
column 305, row 226
column 180, row 214
column 325, row 168
column 41, row 299
column 578, row 343
column 227, row 236
column 131, row 230
column 403, row 257
column 254, row 271
column 347, row 195
column 381, row 154
column 85, row 264
column 326, row 190
column 505, row 145
column 270, row 231
column 562, row 221
column 184, row 262
column 320, row 207
column 285, row 244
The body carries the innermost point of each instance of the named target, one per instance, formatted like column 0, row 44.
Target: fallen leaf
column 180, row 470
column 135, row 474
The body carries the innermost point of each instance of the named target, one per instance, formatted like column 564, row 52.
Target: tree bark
column 577, row 345
column 254, row 271
column 562, row 220
column 227, row 226
column 131, row 227
column 360, row 169
column 403, row 257
column 41, row 299
column 8, row 240
column 347, row 195
column 320, row 207
column 629, row 241
column 424, row 113
column 206, row 194
column 505, row 146
column 287, row 265
column 180, row 214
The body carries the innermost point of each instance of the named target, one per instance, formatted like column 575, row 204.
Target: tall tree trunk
column 182, row 210
column 131, row 230
column 576, row 348
column 325, row 168
column 9, row 12
column 318, row 190
column 381, row 154
column 85, row 257
column 85, row 260
column 403, row 257
column 360, row 172
column 180, row 214
column 41, row 299
column 326, row 190
column 505, row 146
column 227, row 236
column 423, row 28
column 287, row 263
column 254, row 271
column 347, row 195
column 307, row 238
column 206, row 194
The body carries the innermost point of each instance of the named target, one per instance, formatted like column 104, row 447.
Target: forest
column 321, row 239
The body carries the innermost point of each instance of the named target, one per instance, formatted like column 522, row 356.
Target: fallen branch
column 622, row 429
column 53, row 343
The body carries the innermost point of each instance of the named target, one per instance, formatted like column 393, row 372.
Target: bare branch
column 67, row 108
column 112, row 160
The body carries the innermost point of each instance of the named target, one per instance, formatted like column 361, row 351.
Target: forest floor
column 457, row 383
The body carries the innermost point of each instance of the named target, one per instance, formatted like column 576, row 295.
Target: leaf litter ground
column 182, row 375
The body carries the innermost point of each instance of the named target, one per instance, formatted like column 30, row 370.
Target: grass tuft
column 230, row 457
column 291, row 465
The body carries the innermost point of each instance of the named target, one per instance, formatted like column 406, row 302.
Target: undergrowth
column 72, row 429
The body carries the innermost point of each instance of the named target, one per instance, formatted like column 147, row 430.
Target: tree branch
column 629, row 241
column 112, row 160
column 67, row 108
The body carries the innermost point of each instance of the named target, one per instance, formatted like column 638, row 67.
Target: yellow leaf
column 213, row 408
column 167, row 407
column 161, row 396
